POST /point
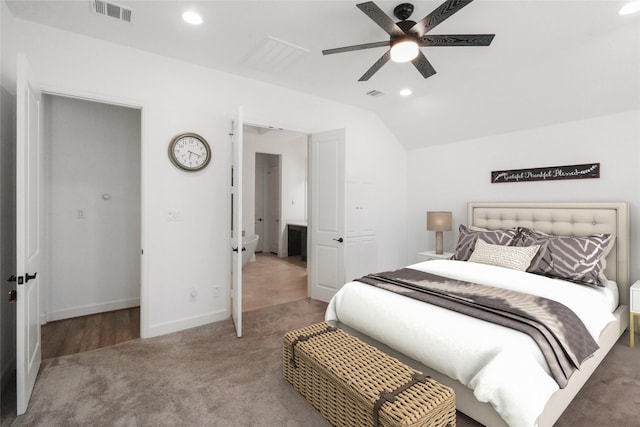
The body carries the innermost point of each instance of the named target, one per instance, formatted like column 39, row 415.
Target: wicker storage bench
column 354, row 384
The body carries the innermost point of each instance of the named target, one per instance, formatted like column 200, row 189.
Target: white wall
column 178, row 97
column 7, row 211
column 93, row 149
column 446, row 177
column 292, row 148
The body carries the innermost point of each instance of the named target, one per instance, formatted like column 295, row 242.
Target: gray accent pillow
column 467, row 240
column 578, row 259
column 513, row 257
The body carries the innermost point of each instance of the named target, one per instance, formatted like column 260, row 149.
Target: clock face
column 189, row 152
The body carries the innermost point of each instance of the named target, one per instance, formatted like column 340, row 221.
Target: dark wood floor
column 78, row 334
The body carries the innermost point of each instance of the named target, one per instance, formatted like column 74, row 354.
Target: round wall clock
column 189, row 152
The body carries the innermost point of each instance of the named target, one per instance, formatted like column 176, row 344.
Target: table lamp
column 439, row 221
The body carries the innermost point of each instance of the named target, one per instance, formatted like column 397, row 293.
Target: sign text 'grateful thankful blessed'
column 551, row 173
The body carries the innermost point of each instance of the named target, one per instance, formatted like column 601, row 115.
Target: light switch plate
column 175, row 216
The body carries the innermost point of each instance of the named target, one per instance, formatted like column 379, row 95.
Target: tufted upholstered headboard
column 565, row 219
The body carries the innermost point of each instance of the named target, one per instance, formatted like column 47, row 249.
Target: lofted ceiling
column 551, row 61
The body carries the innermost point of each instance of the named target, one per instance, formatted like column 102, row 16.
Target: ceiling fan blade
column 355, row 47
column 457, row 40
column 423, row 65
column 380, row 18
column 375, row 67
column 444, row 11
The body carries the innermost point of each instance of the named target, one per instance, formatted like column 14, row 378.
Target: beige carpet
column 207, row 377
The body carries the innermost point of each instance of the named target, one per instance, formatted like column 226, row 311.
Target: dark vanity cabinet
column 297, row 238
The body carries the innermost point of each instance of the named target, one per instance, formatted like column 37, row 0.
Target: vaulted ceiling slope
column 550, row 61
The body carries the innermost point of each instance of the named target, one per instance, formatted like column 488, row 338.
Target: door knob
column 28, row 277
column 260, row 219
column 340, row 240
column 13, row 278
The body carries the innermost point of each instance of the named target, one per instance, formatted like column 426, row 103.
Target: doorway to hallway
column 274, row 194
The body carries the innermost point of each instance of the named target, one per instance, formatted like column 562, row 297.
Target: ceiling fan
column 408, row 36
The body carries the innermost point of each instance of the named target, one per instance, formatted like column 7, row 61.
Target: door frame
column 144, row 202
column 256, row 122
column 281, row 249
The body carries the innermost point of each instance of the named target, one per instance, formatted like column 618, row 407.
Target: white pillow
column 513, row 257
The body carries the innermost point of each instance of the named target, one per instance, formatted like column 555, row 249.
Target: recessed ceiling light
column 630, row 8
column 406, row 92
column 192, row 17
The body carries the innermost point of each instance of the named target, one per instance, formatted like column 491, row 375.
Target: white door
column 29, row 232
column 326, row 226
column 273, row 194
column 259, row 208
column 361, row 254
column 236, row 221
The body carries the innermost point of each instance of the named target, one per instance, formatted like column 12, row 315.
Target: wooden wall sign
column 551, row 173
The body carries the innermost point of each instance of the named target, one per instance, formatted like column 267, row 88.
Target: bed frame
column 568, row 219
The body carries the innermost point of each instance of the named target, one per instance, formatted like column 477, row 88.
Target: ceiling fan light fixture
column 407, row 36
column 630, row 8
column 192, row 17
column 404, row 50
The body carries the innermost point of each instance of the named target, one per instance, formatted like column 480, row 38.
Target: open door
column 259, row 204
column 236, row 223
column 29, row 232
column 327, row 207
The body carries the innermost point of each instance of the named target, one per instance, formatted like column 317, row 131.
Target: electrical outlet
column 193, row 295
column 80, row 213
column 216, row 291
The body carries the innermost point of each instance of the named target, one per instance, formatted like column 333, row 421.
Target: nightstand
column 634, row 310
column 429, row 255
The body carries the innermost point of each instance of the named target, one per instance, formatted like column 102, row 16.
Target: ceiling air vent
column 111, row 9
column 375, row 93
column 275, row 55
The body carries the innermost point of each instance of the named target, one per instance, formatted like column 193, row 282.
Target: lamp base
column 439, row 243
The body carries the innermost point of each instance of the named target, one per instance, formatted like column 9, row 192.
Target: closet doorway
column 274, row 195
column 91, row 296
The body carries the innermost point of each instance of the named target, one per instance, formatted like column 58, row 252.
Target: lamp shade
column 439, row 221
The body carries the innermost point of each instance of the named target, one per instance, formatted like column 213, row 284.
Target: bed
column 556, row 219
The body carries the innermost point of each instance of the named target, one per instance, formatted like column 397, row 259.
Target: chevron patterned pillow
column 579, row 259
column 467, row 240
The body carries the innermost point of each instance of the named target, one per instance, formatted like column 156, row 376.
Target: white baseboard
column 92, row 309
column 186, row 323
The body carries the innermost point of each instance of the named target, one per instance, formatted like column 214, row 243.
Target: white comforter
column 502, row 366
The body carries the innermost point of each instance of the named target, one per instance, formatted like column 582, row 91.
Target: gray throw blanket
column 560, row 334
